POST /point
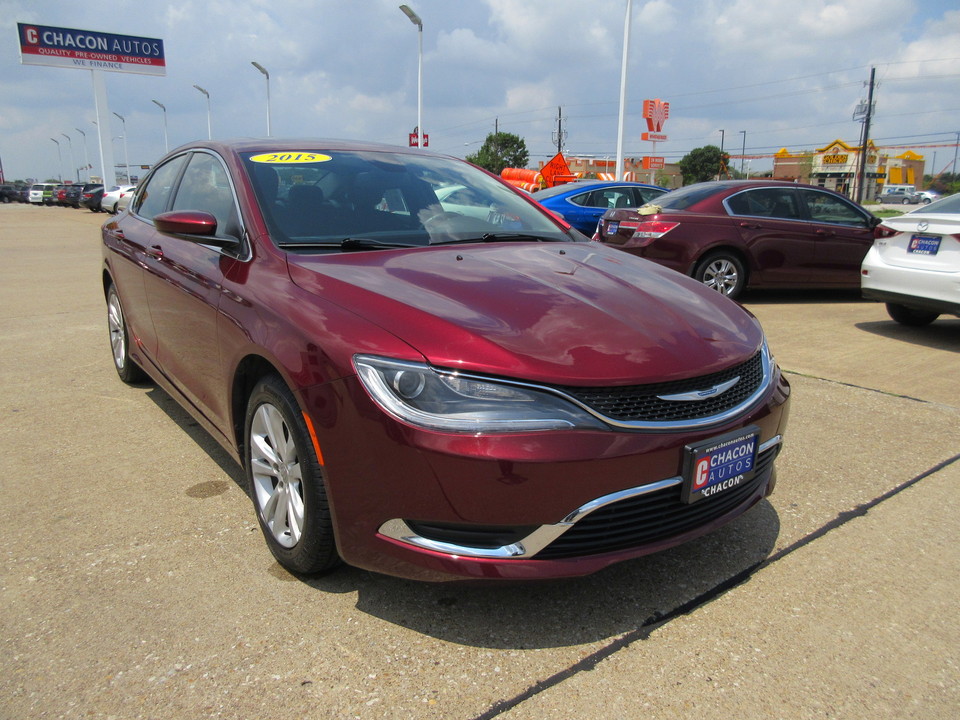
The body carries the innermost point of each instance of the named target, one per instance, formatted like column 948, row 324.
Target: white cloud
column 789, row 73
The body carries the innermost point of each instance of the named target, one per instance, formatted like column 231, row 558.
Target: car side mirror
column 194, row 225
column 874, row 221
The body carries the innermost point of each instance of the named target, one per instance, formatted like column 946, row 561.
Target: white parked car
column 111, row 197
column 915, row 267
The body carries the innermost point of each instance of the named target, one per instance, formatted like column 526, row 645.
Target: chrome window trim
column 527, row 548
column 243, row 253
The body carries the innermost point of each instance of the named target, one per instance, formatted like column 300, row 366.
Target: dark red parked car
column 430, row 394
column 735, row 234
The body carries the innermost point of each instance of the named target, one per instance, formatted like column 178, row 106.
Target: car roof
column 581, row 185
column 242, row 145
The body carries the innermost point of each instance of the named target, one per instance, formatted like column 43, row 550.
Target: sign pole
column 103, row 130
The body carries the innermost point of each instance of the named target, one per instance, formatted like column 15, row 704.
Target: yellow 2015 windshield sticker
column 291, row 158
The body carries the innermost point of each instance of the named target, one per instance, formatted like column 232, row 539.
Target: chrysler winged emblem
column 697, row 395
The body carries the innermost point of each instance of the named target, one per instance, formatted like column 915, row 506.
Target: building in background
column 835, row 167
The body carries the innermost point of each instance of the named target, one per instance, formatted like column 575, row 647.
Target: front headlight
column 454, row 402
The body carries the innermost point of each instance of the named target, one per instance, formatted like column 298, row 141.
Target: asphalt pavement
column 136, row 584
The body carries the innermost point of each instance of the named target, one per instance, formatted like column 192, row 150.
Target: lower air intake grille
column 651, row 518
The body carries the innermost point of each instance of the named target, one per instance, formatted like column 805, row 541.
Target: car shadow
column 548, row 614
column 776, row 297
column 942, row 334
column 196, row 432
column 529, row 615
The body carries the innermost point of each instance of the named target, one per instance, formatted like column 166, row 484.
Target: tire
column 724, row 272
column 911, row 316
column 285, row 481
column 906, row 201
column 126, row 368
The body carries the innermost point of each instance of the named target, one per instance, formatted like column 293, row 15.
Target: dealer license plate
column 924, row 244
column 612, row 228
column 719, row 465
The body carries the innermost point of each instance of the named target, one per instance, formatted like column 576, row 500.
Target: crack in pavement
column 658, row 620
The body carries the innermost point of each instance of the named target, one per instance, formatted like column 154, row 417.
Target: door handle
column 751, row 226
column 825, row 233
column 155, row 251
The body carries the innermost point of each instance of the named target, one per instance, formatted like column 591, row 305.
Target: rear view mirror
column 196, row 225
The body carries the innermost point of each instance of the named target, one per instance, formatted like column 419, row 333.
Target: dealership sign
column 90, row 50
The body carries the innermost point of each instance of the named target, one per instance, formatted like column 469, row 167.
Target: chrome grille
column 641, row 403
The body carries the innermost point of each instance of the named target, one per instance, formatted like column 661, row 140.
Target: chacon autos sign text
column 90, row 50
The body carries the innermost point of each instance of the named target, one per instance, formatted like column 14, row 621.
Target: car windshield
column 365, row 200
column 948, row 205
column 686, row 196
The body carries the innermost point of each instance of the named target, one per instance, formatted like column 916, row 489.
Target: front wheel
column 285, row 481
column 722, row 271
column 910, row 316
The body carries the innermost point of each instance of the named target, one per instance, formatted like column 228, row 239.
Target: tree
column 501, row 150
column 703, row 163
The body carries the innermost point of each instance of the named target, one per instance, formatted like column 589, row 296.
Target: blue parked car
column 582, row 203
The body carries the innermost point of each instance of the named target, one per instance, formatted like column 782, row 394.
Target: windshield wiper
column 499, row 237
column 362, row 243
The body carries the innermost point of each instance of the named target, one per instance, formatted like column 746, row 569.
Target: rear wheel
column 911, row 316
column 126, row 368
column 724, row 272
column 285, row 481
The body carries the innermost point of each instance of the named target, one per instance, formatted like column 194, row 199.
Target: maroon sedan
column 431, row 394
column 736, row 234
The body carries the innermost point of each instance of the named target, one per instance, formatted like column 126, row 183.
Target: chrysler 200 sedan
column 427, row 393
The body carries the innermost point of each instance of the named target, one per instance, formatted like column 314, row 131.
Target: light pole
column 720, row 171
column 59, row 159
column 126, row 158
column 623, row 88
column 166, row 145
column 743, row 150
column 72, row 163
column 86, row 157
column 262, row 69
column 209, row 131
column 415, row 19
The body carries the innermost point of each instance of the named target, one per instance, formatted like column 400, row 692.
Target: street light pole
column 59, row 160
column 126, row 157
column 415, row 19
column 72, row 163
column 166, row 145
column 743, row 150
column 623, row 88
column 720, row 171
column 262, row 69
column 86, row 157
column 209, row 126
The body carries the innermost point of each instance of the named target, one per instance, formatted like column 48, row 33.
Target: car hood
column 560, row 313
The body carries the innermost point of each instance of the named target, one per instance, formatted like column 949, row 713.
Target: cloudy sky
column 788, row 73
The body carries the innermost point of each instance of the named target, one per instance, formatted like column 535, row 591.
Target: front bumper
column 531, row 506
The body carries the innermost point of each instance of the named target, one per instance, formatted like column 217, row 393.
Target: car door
column 843, row 232
column 184, row 285
column 779, row 242
column 590, row 207
column 131, row 238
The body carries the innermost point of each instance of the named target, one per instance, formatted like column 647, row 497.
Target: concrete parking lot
column 136, row 584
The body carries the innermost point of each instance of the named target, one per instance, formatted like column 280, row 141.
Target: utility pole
column 559, row 135
column 862, row 170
